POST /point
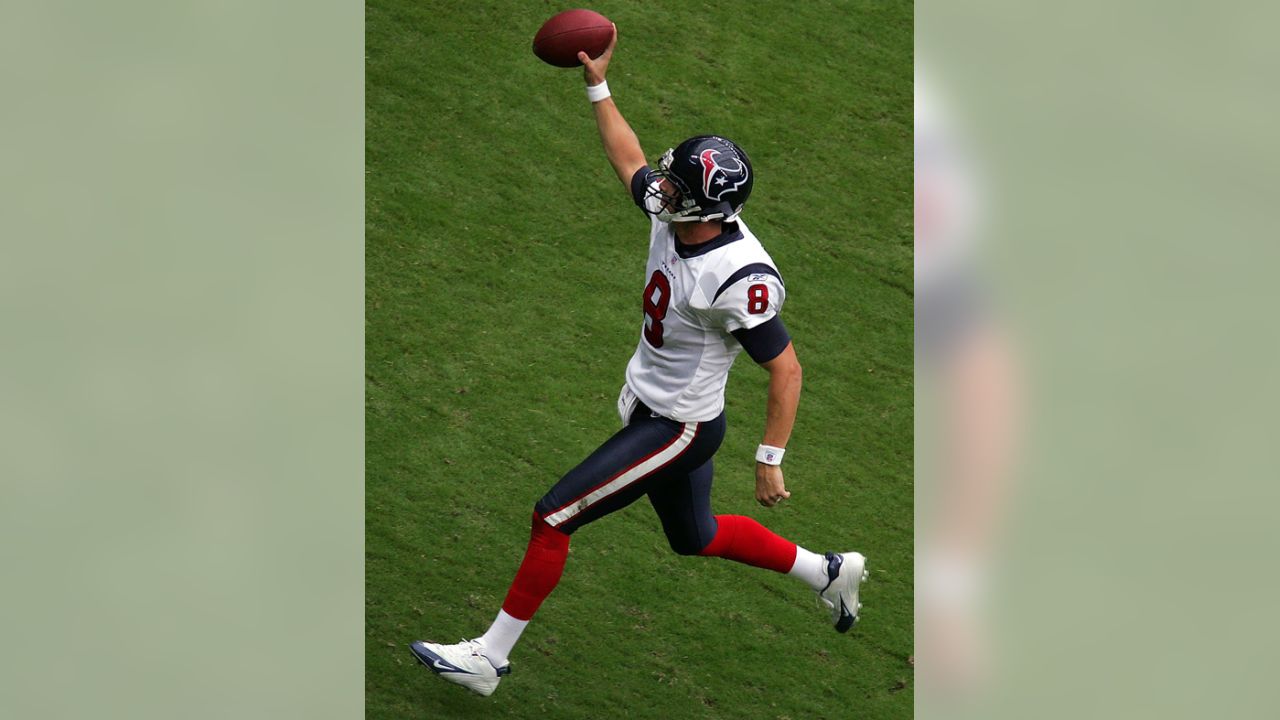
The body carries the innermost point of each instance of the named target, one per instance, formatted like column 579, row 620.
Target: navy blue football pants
column 668, row 461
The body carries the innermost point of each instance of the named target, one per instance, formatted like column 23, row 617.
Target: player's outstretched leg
column 835, row 577
column 480, row 664
column 683, row 503
column 612, row 477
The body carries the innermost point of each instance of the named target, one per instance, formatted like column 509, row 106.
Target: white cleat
column 845, row 572
column 464, row 664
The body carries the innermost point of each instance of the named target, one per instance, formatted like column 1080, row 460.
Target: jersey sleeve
column 747, row 305
column 641, row 181
column 765, row 341
column 748, row 298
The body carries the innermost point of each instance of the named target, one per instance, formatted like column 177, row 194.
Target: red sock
column 539, row 572
column 744, row 540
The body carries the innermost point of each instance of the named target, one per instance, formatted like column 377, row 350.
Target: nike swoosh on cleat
column 441, row 666
column 436, row 663
column 846, row 620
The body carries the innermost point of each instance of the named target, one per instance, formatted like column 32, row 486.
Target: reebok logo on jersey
column 719, row 179
column 758, row 276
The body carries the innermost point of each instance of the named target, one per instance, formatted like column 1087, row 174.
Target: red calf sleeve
column 744, row 540
column 539, row 572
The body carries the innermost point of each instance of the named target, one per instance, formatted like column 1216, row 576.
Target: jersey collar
column 730, row 233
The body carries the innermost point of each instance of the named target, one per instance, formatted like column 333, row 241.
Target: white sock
column 501, row 637
column 811, row 568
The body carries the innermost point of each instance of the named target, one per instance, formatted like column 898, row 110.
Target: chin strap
column 705, row 218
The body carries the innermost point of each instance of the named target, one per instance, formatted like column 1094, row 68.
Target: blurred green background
column 504, row 268
column 180, row 485
column 1129, row 166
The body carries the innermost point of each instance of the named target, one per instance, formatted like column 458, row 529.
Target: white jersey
column 695, row 297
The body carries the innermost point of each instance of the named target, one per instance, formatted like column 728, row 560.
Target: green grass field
column 504, row 270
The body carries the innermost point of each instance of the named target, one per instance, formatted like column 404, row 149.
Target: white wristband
column 596, row 93
column 769, row 455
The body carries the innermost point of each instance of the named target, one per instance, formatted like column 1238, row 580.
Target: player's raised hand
column 770, row 489
column 593, row 71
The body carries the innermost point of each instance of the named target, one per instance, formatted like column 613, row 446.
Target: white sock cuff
column 501, row 637
column 810, row 567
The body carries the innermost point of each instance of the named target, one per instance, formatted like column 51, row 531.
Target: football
column 560, row 38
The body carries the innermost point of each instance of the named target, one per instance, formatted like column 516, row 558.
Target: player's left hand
column 770, row 489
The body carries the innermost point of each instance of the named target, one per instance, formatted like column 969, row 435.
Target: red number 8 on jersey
column 757, row 299
column 657, row 296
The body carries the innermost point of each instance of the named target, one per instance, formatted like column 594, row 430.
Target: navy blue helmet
column 712, row 178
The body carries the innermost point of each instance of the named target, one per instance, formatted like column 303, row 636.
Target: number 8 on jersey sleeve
column 757, row 299
column 749, row 302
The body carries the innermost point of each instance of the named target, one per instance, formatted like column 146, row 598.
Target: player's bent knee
column 685, row 546
column 541, row 523
column 539, row 514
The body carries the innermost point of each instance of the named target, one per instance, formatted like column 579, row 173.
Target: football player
column 711, row 291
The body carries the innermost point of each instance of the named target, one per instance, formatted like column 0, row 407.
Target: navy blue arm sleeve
column 639, row 184
column 765, row 341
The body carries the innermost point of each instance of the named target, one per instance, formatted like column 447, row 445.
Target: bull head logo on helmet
column 717, row 178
